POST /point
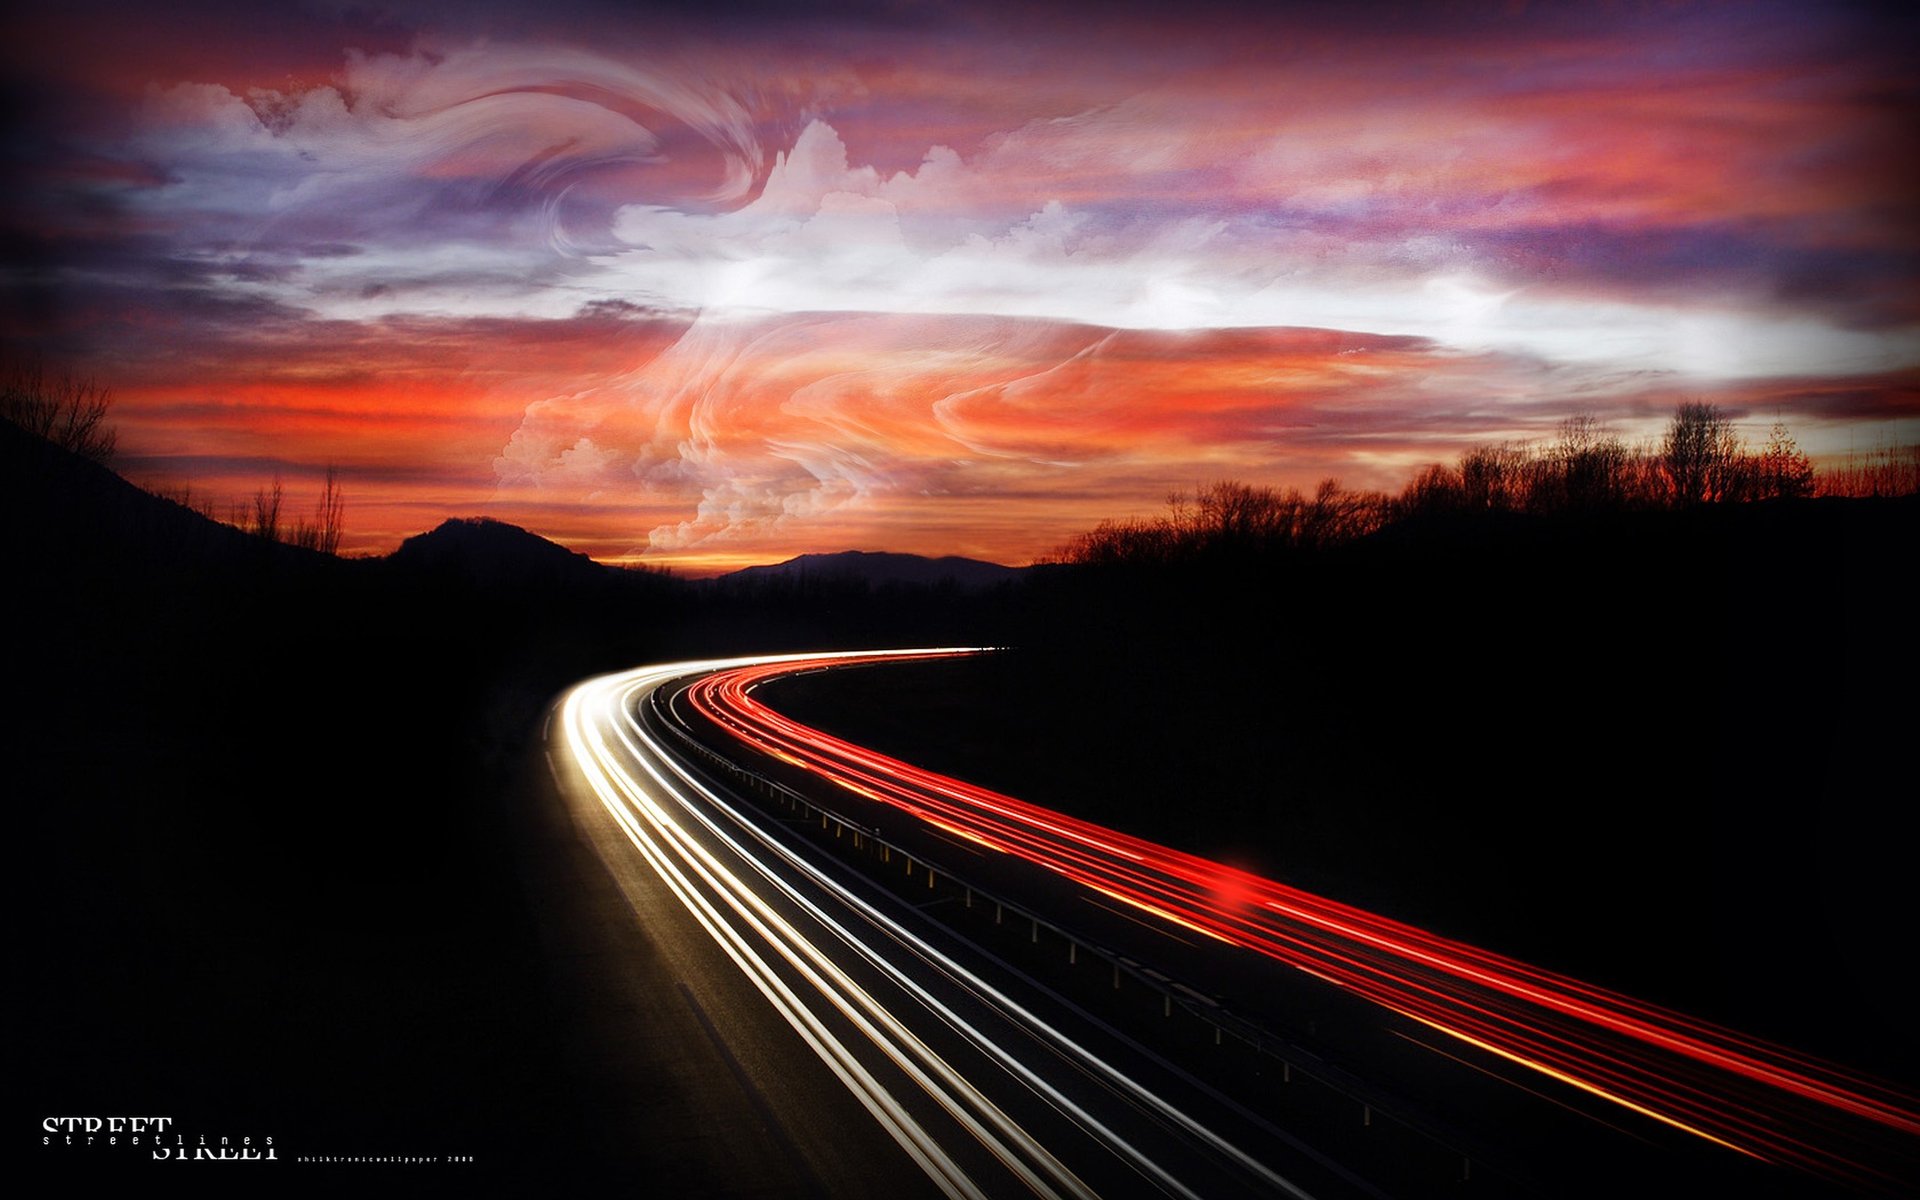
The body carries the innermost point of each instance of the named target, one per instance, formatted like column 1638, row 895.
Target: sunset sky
column 714, row 284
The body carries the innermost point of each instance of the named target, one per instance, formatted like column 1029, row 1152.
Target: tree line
column 1700, row 459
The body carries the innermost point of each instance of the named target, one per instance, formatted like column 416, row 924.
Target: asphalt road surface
column 988, row 1083
column 883, row 1032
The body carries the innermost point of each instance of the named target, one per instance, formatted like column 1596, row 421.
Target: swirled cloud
column 722, row 285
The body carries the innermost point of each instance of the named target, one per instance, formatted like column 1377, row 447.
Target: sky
column 700, row 286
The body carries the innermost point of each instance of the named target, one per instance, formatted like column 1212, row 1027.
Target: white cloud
column 826, row 236
column 403, row 155
column 1010, row 232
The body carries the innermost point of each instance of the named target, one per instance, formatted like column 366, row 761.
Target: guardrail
column 1372, row 1102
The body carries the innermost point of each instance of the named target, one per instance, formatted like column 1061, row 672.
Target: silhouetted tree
column 1117, row 543
column 1436, row 489
column 1494, row 477
column 333, row 510
column 69, row 412
column 265, row 521
column 1585, row 470
column 1231, row 519
column 1781, row 471
column 1701, row 454
column 323, row 533
column 1886, row 470
column 1338, row 515
column 1230, row 514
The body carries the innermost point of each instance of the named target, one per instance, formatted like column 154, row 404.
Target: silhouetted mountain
column 883, row 568
column 481, row 550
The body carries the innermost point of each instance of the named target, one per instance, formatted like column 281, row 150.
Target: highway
column 1746, row 1096
column 990, row 1083
column 993, row 1082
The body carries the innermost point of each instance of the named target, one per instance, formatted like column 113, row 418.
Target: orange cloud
column 701, row 292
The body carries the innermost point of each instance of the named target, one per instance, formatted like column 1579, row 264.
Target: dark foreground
column 1659, row 755
column 293, row 871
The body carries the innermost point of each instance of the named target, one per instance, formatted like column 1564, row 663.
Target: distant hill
column 881, row 567
column 484, row 551
column 61, row 513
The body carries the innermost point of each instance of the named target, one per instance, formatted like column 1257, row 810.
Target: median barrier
column 1206, row 1008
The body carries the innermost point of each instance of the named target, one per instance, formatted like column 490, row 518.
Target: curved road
column 988, row 1082
column 993, row 1084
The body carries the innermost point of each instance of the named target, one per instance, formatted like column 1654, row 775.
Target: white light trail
column 689, row 834
column 742, row 923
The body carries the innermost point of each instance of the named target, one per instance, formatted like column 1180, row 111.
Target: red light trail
column 1750, row 1096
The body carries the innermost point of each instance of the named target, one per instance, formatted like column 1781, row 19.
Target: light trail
column 1740, row 1092
column 798, row 934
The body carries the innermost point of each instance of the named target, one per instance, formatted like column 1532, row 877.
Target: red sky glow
column 707, row 287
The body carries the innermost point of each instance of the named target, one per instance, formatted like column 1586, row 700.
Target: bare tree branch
column 67, row 411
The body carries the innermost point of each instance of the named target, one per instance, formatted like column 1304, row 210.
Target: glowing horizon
column 708, row 290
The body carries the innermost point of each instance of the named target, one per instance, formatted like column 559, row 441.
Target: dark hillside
column 272, row 877
column 277, row 823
